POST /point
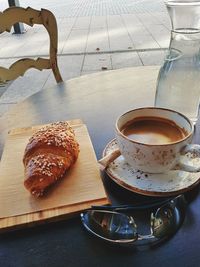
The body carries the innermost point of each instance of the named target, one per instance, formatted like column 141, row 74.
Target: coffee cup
column 153, row 140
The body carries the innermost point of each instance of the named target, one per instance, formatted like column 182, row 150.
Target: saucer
column 162, row 184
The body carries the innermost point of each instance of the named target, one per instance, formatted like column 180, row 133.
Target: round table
column 97, row 99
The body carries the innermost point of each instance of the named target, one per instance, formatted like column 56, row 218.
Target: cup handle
column 194, row 150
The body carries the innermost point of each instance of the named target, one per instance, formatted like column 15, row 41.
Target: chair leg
column 56, row 73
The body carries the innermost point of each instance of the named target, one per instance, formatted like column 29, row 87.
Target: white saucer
column 164, row 184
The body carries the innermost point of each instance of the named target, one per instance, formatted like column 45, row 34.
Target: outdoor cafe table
column 97, row 99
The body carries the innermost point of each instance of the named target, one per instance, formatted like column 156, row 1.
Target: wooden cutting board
column 77, row 191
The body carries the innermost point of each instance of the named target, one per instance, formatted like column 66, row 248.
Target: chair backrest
column 30, row 16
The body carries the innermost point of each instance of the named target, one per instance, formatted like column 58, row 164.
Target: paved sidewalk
column 94, row 35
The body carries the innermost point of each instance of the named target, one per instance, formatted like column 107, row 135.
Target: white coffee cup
column 162, row 157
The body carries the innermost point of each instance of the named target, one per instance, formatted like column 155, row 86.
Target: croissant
column 50, row 152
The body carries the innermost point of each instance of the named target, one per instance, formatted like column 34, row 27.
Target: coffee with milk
column 153, row 130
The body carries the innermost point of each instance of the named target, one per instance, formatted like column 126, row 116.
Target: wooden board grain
column 77, row 191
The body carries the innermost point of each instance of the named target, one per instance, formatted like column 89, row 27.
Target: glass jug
column 178, row 83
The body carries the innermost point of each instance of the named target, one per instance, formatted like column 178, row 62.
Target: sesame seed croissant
column 50, row 152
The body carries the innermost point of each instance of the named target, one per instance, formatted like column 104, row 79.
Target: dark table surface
column 97, row 99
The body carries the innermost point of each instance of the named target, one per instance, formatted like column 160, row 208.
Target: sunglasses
column 119, row 228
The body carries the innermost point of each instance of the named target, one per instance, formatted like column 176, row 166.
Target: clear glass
column 178, row 83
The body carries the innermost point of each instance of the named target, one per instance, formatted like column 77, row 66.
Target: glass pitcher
column 178, row 83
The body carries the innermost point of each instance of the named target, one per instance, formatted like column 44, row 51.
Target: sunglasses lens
column 111, row 226
column 169, row 217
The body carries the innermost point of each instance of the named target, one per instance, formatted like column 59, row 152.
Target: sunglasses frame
column 172, row 202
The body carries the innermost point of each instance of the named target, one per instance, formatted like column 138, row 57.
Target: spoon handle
column 105, row 161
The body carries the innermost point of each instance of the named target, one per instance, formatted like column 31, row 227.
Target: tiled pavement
column 93, row 35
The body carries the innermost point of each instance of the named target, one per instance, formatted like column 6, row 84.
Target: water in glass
column 178, row 83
